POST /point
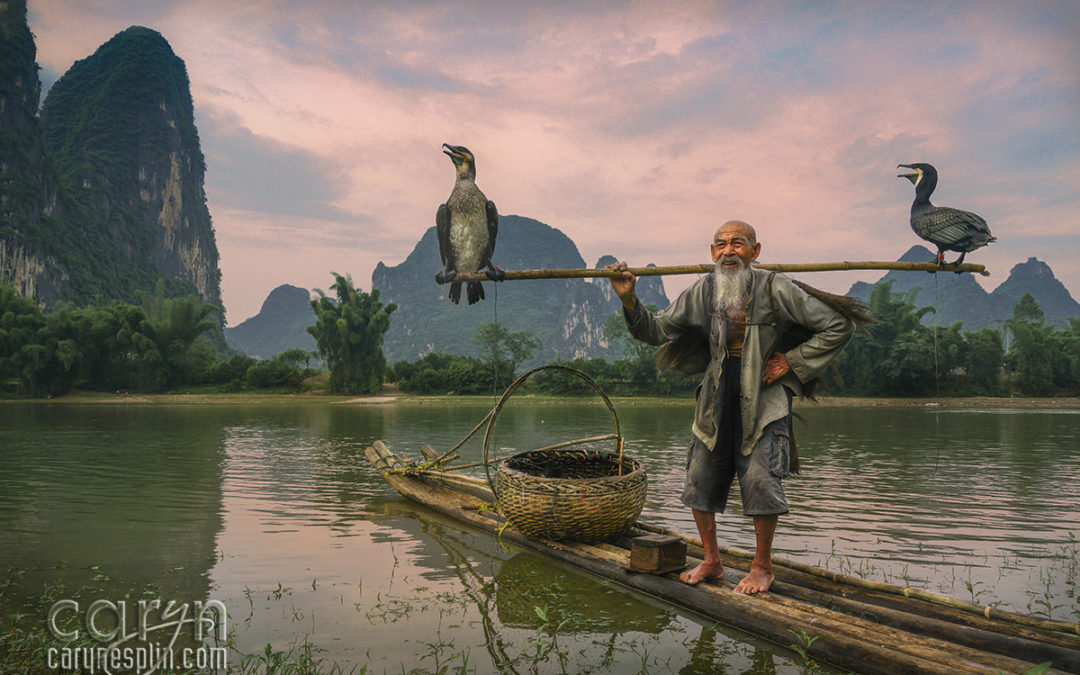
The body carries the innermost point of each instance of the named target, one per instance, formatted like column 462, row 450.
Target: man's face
column 731, row 248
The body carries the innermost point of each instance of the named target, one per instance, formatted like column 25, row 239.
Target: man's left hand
column 775, row 368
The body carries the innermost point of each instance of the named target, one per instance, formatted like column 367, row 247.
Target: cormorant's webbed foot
column 445, row 276
column 960, row 260
column 494, row 273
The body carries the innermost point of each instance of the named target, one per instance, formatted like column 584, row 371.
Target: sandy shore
column 372, row 400
column 959, row 402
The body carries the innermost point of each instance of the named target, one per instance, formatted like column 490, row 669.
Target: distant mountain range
column 568, row 315
column 958, row 297
column 280, row 324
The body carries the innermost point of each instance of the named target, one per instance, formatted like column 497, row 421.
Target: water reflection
column 527, row 581
column 111, row 492
column 274, row 510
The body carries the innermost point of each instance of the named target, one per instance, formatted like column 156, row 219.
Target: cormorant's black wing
column 493, row 231
column 951, row 229
column 442, row 231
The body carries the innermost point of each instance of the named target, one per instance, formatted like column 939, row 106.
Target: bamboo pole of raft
column 851, row 642
column 929, row 646
column 908, row 592
column 584, row 273
column 904, row 598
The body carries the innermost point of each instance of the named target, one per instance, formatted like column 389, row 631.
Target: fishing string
column 937, row 382
column 494, row 361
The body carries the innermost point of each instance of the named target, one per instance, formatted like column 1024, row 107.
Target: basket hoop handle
column 515, row 385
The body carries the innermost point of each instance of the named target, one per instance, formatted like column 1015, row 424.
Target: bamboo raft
column 860, row 625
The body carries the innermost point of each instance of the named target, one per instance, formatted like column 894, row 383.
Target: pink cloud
column 633, row 130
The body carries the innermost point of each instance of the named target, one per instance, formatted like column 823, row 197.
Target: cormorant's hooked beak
column 913, row 177
column 456, row 153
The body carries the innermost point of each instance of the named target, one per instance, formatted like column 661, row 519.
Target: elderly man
column 742, row 423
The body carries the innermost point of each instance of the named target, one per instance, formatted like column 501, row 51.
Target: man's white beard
column 731, row 287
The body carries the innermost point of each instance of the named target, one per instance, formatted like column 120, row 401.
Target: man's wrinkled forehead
column 736, row 231
column 732, row 234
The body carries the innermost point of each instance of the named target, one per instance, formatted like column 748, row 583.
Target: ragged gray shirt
column 775, row 303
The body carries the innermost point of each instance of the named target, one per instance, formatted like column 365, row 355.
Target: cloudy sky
column 634, row 127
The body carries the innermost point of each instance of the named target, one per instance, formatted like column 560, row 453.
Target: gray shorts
column 710, row 473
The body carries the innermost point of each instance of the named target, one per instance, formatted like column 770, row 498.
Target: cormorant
column 948, row 229
column 466, row 226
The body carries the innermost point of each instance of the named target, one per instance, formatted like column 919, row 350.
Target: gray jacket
column 775, row 304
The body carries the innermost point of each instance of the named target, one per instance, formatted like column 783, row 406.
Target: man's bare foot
column 758, row 581
column 703, row 572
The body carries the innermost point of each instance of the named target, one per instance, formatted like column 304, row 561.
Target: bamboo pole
column 959, row 657
column 469, row 435
column 584, row 273
column 900, row 591
column 863, row 646
column 390, row 462
column 924, row 618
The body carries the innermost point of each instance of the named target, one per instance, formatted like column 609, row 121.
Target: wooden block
column 657, row 554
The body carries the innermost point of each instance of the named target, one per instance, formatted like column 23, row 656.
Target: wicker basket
column 580, row 495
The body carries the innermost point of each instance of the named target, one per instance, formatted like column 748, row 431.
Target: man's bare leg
column 761, row 576
column 710, row 567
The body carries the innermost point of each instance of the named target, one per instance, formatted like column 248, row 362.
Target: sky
column 635, row 128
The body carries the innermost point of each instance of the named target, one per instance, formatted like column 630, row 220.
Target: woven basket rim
column 636, row 468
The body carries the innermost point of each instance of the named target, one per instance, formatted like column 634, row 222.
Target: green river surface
column 273, row 510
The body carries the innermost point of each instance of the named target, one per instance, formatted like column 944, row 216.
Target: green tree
column 281, row 372
column 897, row 359
column 563, row 383
column 167, row 352
column 985, row 358
column 637, row 368
column 1067, row 363
column 1030, row 354
column 442, row 373
column 230, row 371
column 1029, row 310
column 348, row 335
column 23, row 361
column 622, row 342
column 503, row 351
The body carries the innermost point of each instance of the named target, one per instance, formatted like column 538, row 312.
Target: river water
column 274, row 511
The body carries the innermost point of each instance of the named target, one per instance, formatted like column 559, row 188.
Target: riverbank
column 390, row 395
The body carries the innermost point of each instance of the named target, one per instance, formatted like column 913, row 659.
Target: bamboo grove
column 173, row 344
column 899, row 357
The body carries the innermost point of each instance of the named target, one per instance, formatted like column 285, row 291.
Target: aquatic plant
column 802, row 647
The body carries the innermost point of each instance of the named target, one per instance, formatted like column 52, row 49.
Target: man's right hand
column 624, row 285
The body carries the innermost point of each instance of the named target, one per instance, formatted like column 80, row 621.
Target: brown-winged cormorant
column 948, row 229
column 466, row 226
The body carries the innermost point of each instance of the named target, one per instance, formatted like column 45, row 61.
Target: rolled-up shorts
column 710, row 473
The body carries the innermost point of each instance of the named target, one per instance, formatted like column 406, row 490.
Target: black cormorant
column 948, row 229
column 466, row 226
